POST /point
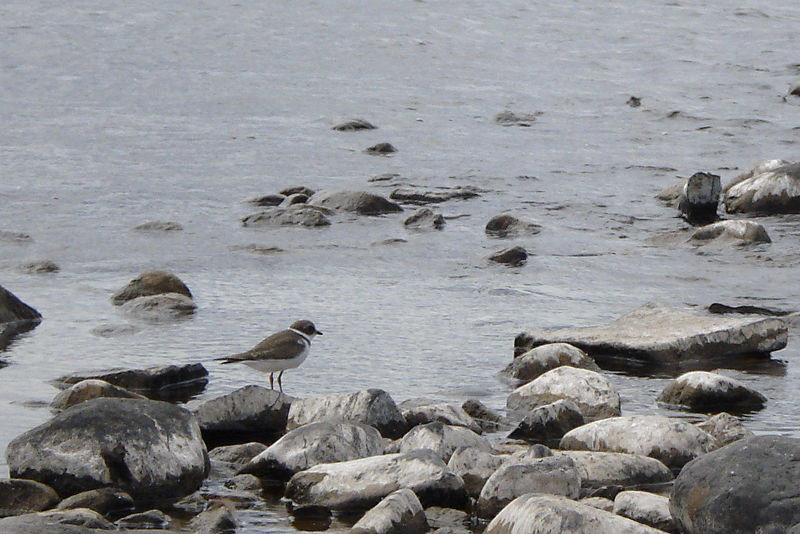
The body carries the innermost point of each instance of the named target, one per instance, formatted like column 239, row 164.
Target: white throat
column 302, row 334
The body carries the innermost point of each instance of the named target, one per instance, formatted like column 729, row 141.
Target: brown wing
column 283, row 345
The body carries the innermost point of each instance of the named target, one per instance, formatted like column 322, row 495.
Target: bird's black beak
column 319, row 333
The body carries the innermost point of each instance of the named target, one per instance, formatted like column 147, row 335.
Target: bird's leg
column 271, row 386
column 280, row 385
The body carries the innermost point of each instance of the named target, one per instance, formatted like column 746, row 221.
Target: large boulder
column 398, row 513
column 704, row 391
column 594, row 395
column 539, row 514
column 20, row 496
column 603, row 469
column 156, row 282
column 424, row 219
column 90, row 389
column 314, row 444
column 474, row 466
column 731, row 232
column 547, row 424
column 361, row 484
column 373, row 407
column 294, row 215
column 360, row 202
column 152, row 450
column 647, row 508
column 660, row 334
column 672, row 441
column 543, row 358
column 15, row 317
column 745, row 487
column 442, row 439
column 776, row 190
column 423, row 411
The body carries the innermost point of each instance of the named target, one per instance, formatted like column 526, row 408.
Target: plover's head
column 306, row 327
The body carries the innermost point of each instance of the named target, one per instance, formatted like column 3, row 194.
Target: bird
column 282, row 350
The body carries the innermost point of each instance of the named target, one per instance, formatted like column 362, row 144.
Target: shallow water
column 115, row 114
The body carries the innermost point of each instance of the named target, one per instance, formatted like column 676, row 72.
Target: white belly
column 273, row 366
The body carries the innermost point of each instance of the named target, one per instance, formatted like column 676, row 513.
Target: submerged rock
column 148, row 520
column 424, row 219
column 514, row 256
column 15, row 237
column 267, row 201
column 417, row 196
column 506, row 225
column 20, row 496
column 39, row 267
column 671, row 194
column 543, row 358
column 770, row 188
column 90, row 389
column 509, row 118
column 360, row 202
column 398, row 513
column 156, row 282
column 353, row 125
column 295, row 215
column 297, row 190
column 159, row 226
column 738, row 233
column 704, row 391
column 660, row 334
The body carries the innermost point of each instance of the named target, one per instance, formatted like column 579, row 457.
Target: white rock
column 443, row 439
column 399, row 512
column 423, row 411
column 474, row 466
column 730, row 232
column 776, row 190
column 543, row 358
column 646, row 508
column 599, row 469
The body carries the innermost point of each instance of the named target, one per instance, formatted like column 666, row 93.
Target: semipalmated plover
column 282, row 350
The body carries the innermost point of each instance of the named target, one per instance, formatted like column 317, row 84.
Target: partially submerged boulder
column 507, row 225
column 773, row 190
column 166, row 307
column 15, row 317
column 543, row 358
column 19, row 496
column 159, row 226
column 295, row 215
column 547, row 424
column 731, row 232
column 360, row 202
column 424, row 219
column 161, row 382
column 705, row 391
column 90, row 389
column 353, row 125
column 660, row 334
column 398, row 513
column 156, row 282
column 513, row 256
column 418, row 196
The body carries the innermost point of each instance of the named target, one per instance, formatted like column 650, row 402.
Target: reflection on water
column 756, row 365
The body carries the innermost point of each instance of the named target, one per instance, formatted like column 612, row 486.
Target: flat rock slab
column 660, row 334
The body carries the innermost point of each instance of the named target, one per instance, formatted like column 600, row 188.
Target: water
column 117, row 113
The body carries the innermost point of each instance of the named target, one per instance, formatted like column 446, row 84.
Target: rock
column 237, row 456
column 166, row 307
column 543, row 358
column 773, row 190
column 113, row 330
column 506, row 225
column 381, row 149
column 267, row 201
column 730, row 233
column 423, row 411
column 704, row 391
column 424, row 219
column 671, row 194
column 152, row 450
column 474, row 465
column 601, row 503
column 716, row 307
column 417, row 196
column 149, row 520
column 602, row 469
column 509, row 118
column 16, row 312
column 82, row 517
column 360, row 202
column 39, row 267
column 671, row 441
column 297, row 189
column 646, row 508
column 245, row 414
column 15, row 237
column 594, row 395
column 555, row 475
column 37, row 524
column 20, row 496
column 164, row 381
column 745, row 487
column 315, row 443
column 244, row 483
column 398, row 513
column 725, row 428
column 699, row 199
column 385, row 177
column 151, row 283
column 104, row 501
column 538, row 514
column 660, row 334
column 294, row 215
column 760, row 168
column 448, row 520
column 353, row 125
column 547, row 424
column 442, row 439
column 634, row 102
column 159, row 226
column 373, row 407
column 795, row 91
column 514, row 256
column 360, row 484
column 217, row 519
column 489, row 420
column 291, row 200
column 90, row 389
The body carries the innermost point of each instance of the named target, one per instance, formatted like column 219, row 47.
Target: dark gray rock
column 159, row 308
column 547, row 424
column 152, row 450
column 745, row 487
column 700, row 197
column 424, row 411
column 19, row 496
column 114, row 330
column 353, row 125
column 39, row 267
column 514, row 256
column 15, row 313
column 448, row 520
column 297, row 190
column 267, row 201
column 294, row 215
column 37, row 524
column 104, row 501
column 646, row 508
column 539, row 360
column 217, row 519
column 506, row 225
column 398, row 513
column 81, row 517
column 244, row 483
column 725, row 428
column 795, row 91
column 153, row 382
column 474, row 465
column 88, row 390
column 159, row 226
column 381, row 149
column 148, row 520
column 237, row 455
column 769, row 189
column 442, row 439
column 488, row 419
column 418, row 196
column 424, row 219
column 360, row 202
column 704, row 391
column 634, row 101
column 149, row 283
column 510, row 118
column 291, row 200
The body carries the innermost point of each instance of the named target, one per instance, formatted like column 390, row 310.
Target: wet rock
column 489, row 420
column 704, row 391
column 159, row 226
column 423, row 411
column 671, row 194
column 381, row 149
column 113, row 330
column 360, row 484
column 150, row 283
column 424, row 219
column 660, row 334
column 745, row 487
column 699, row 199
column 267, row 201
column 294, row 215
column 297, row 189
column 152, row 450
column 774, row 190
column 16, row 312
column 634, row 102
column 474, row 465
column 509, row 118
column 730, row 233
column 261, row 250
column 506, row 225
column 237, row 455
column 548, row 424
column 39, row 267
column 602, row 469
column 418, row 196
column 543, row 358
column 153, row 382
column 534, row 513
column 601, row 503
column 360, row 202
column 447, row 520
column 398, row 513
column 313, row 444
column 514, row 256
column 149, row 520
column 385, row 177
column 291, row 200
column 795, row 91
column 104, row 501
column 19, row 496
column 671, row 441
column 14, row 237
column 725, row 428
column 81, row 517
column 353, row 125
column 217, row 519
column 716, row 307
column 166, row 307
column 373, row 407
column 244, row 483
column 555, row 475
column 37, row 524
column 646, row 508
column 247, row 413
column 442, row 439
column 594, row 395
column 90, row 389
